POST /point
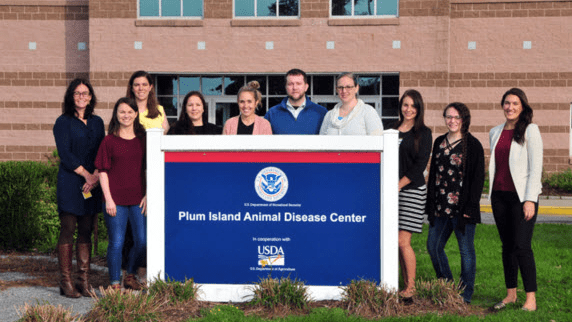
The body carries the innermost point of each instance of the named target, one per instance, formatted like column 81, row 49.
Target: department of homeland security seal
column 271, row 184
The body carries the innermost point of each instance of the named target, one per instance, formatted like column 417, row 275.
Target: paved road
column 550, row 211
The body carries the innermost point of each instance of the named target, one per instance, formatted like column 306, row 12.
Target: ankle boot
column 67, row 288
column 83, row 260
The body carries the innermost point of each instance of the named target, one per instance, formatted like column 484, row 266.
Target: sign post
column 230, row 210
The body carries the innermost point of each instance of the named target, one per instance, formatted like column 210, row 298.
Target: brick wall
column 222, row 9
column 423, row 8
column 512, row 9
column 315, row 9
column 23, row 78
column 28, row 12
column 113, row 9
column 36, row 80
column 219, row 9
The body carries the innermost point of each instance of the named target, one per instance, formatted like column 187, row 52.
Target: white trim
column 157, row 144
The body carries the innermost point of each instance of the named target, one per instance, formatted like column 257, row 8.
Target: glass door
column 221, row 109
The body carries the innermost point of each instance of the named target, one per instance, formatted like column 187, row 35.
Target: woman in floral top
column 455, row 184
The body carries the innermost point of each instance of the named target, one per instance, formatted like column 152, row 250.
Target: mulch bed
column 45, row 273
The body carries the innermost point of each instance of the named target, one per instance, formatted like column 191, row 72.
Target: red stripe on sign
column 275, row 157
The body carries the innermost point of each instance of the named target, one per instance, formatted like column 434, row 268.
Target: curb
column 542, row 210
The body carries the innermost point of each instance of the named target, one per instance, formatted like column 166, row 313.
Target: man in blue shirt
column 296, row 114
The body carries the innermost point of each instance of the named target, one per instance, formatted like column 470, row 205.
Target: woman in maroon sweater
column 120, row 161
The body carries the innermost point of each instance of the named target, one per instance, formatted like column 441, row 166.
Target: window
column 266, row 8
column 170, row 8
column 379, row 90
column 360, row 8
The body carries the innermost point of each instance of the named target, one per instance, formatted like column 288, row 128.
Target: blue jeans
column 439, row 234
column 116, row 227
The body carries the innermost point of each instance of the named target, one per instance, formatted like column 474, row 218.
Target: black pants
column 516, row 237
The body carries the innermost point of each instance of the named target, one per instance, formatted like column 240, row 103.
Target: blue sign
column 314, row 217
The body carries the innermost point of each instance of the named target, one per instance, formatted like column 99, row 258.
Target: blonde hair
column 252, row 87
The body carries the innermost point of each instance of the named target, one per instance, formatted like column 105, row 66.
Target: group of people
column 451, row 194
column 94, row 165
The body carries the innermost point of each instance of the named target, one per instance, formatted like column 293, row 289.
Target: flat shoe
column 528, row 310
column 500, row 305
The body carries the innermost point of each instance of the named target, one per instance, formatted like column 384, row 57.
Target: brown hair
column 152, row 109
column 252, row 87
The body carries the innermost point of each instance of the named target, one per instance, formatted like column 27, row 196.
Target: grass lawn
column 552, row 245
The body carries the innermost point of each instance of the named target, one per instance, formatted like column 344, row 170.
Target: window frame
column 181, row 17
column 267, row 97
column 234, row 16
column 354, row 16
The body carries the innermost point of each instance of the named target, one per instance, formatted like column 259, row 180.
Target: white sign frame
column 387, row 145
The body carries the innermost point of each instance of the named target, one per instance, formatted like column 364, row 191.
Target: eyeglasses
column 450, row 117
column 341, row 88
column 79, row 94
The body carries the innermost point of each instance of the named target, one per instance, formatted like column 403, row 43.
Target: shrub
column 561, row 180
column 28, row 205
column 174, row 291
column 440, row 292
column 23, row 187
column 364, row 297
column 272, row 292
column 125, row 305
column 47, row 313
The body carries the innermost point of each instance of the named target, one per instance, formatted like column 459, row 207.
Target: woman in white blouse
column 351, row 116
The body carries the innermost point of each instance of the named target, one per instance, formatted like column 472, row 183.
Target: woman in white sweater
column 351, row 116
column 515, row 171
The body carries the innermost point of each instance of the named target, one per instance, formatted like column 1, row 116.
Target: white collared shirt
column 295, row 112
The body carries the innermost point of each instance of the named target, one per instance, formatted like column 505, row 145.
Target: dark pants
column 516, row 237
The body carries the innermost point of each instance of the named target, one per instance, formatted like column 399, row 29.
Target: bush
column 272, row 292
column 47, row 313
column 174, row 291
column 440, row 292
column 28, row 205
column 366, row 298
column 561, row 180
column 25, row 186
column 127, row 305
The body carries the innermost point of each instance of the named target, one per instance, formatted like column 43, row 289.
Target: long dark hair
column 419, row 117
column 152, row 109
column 114, row 123
column 184, row 120
column 525, row 116
column 68, row 106
column 465, row 115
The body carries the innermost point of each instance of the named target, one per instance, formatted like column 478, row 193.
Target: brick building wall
column 40, row 56
column 433, row 57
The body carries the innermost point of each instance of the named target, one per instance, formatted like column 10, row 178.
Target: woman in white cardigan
column 515, row 171
column 351, row 116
